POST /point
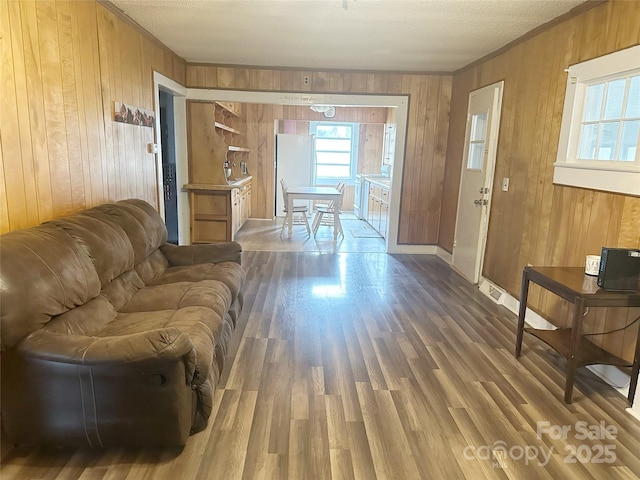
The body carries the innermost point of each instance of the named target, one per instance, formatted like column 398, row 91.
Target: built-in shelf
column 233, row 148
column 227, row 109
column 227, row 128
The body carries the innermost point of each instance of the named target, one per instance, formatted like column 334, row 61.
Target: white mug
column 592, row 265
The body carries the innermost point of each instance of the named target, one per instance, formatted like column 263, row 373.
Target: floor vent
column 495, row 293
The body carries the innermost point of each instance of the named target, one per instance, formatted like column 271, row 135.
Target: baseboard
column 413, row 249
column 444, row 255
column 610, row 374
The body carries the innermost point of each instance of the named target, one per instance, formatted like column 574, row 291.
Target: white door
column 294, row 161
column 474, row 198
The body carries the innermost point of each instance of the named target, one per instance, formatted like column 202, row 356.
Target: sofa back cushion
column 141, row 222
column 104, row 241
column 44, row 273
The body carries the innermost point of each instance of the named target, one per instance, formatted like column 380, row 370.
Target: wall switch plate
column 505, row 184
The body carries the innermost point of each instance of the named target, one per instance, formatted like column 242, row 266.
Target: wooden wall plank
column 54, row 107
column 15, row 192
column 34, row 101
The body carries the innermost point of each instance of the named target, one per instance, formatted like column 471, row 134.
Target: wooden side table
column 573, row 285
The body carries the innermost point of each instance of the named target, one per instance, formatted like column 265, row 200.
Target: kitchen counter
column 381, row 182
column 227, row 186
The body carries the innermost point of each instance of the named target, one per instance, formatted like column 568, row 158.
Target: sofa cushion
column 229, row 273
column 61, row 276
column 88, row 319
column 172, row 296
column 141, row 222
column 105, row 242
column 202, row 325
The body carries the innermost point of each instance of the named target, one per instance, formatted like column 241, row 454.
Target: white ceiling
column 400, row 35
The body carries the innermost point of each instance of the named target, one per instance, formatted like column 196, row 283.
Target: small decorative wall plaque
column 134, row 115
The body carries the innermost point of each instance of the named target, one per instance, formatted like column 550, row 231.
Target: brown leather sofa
column 110, row 335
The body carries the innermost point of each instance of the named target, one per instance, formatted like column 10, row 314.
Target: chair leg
column 316, row 222
column 306, row 223
column 284, row 224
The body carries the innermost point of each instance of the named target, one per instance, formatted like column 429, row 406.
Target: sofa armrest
column 205, row 253
column 74, row 390
column 164, row 345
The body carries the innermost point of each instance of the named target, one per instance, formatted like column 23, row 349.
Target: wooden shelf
column 227, row 109
column 587, row 352
column 226, row 128
column 233, row 148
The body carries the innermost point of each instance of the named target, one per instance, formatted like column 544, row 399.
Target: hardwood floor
column 363, row 365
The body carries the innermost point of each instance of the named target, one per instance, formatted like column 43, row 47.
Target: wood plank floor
column 372, row 366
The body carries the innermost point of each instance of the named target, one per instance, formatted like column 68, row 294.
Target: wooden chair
column 299, row 214
column 328, row 210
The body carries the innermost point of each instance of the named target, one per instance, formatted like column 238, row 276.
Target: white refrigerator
column 294, row 164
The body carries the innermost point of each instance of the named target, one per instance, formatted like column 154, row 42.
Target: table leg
column 572, row 361
column 634, row 371
column 524, row 295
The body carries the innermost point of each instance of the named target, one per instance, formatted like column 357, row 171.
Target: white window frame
column 610, row 176
column 353, row 164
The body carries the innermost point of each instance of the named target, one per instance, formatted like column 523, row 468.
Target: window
column 336, row 148
column 600, row 130
column 477, row 140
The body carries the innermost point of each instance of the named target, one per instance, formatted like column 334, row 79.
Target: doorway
column 476, row 180
column 169, row 183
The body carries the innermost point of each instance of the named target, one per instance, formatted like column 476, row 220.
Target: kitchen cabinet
column 378, row 205
column 219, row 187
column 218, row 211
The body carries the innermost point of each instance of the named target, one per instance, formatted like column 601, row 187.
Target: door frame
column 179, row 93
column 492, row 152
column 399, row 101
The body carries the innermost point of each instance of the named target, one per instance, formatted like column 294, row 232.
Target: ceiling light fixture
column 328, row 111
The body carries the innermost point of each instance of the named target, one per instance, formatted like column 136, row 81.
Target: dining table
column 326, row 194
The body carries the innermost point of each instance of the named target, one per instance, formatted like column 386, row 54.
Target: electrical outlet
column 505, row 184
column 305, row 80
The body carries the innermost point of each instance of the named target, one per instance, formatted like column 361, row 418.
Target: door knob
column 480, row 202
column 484, row 190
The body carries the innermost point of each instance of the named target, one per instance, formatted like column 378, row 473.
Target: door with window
column 481, row 138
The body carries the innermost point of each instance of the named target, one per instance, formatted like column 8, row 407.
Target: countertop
column 209, row 186
column 382, row 182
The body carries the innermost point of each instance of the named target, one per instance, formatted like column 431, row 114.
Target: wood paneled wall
column 427, row 130
column 64, row 65
column 538, row 222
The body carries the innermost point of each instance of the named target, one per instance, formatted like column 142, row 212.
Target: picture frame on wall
column 133, row 115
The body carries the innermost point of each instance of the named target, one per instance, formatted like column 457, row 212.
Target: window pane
column 335, row 131
column 334, row 145
column 476, row 156
column 478, row 126
column 615, row 96
column 593, row 104
column 608, row 140
column 588, row 137
column 629, row 144
column 333, row 158
column 633, row 99
column 333, row 171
